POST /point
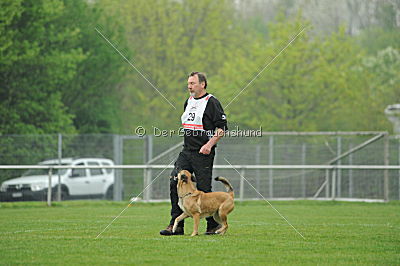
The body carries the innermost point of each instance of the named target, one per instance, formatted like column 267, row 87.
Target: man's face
column 195, row 88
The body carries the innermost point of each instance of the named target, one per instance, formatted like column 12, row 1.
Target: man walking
column 204, row 123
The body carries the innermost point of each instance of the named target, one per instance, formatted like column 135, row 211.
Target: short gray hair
column 201, row 75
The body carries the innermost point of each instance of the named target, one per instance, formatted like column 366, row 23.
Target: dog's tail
column 226, row 183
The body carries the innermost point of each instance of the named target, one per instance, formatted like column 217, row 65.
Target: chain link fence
column 286, row 148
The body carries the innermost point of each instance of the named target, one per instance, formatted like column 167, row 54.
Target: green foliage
column 301, row 89
column 92, row 95
column 385, row 33
column 57, row 74
column 317, row 83
column 33, row 67
column 171, row 39
column 52, row 69
column 376, row 39
column 376, row 88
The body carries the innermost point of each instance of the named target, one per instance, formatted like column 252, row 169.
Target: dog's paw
column 220, row 231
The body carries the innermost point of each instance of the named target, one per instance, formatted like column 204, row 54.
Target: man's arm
column 206, row 148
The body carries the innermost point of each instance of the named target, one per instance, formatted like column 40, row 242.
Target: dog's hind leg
column 178, row 219
column 224, row 223
column 223, row 211
column 217, row 218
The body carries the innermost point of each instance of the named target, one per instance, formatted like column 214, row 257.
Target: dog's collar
column 187, row 194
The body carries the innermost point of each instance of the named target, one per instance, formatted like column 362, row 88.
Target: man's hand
column 206, row 149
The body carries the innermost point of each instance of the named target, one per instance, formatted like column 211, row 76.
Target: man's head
column 197, row 84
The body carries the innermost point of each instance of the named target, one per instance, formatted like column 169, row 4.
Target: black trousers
column 199, row 164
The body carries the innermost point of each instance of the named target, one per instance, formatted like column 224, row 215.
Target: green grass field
column 335, row 232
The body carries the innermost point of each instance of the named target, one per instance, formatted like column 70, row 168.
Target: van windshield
column 32, row 172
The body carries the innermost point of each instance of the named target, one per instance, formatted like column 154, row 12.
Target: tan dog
column 197, row 204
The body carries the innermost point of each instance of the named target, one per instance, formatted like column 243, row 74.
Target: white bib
column 192, row 118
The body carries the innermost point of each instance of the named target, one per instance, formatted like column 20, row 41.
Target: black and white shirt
column 200, row 118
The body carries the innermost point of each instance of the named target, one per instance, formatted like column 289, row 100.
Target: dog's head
column 184, row 176
column 186, row 179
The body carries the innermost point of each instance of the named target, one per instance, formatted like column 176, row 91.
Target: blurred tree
column 378, row 86
column 92, row 94
column 53, row 68
column 301, row 90
column 57, row 74
column 38, row 58
column 171, row 39
column 385, row 31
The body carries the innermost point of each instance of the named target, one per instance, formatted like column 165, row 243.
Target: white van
column 75, row 183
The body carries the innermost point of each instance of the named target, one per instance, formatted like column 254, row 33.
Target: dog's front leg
column 196, row 221
column 178, row 219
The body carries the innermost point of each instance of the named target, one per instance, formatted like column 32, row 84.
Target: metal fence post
column 327, row 183
column 117, row 143
column 351, row 188
column 49, row 188
column 258, row 151
column 339, row 171
column 386, row 172
column 120, row 182
column 147, row 186
column 271, row 162
column 148, row 172
column 333, row 193
column 59, row 163
column 303, row 172
column 241, row 188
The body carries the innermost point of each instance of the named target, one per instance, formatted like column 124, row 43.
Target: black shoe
column 168, row 231
column 212, row 231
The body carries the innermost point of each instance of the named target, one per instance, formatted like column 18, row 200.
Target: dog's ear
column 194, row 178
column 184, row 178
